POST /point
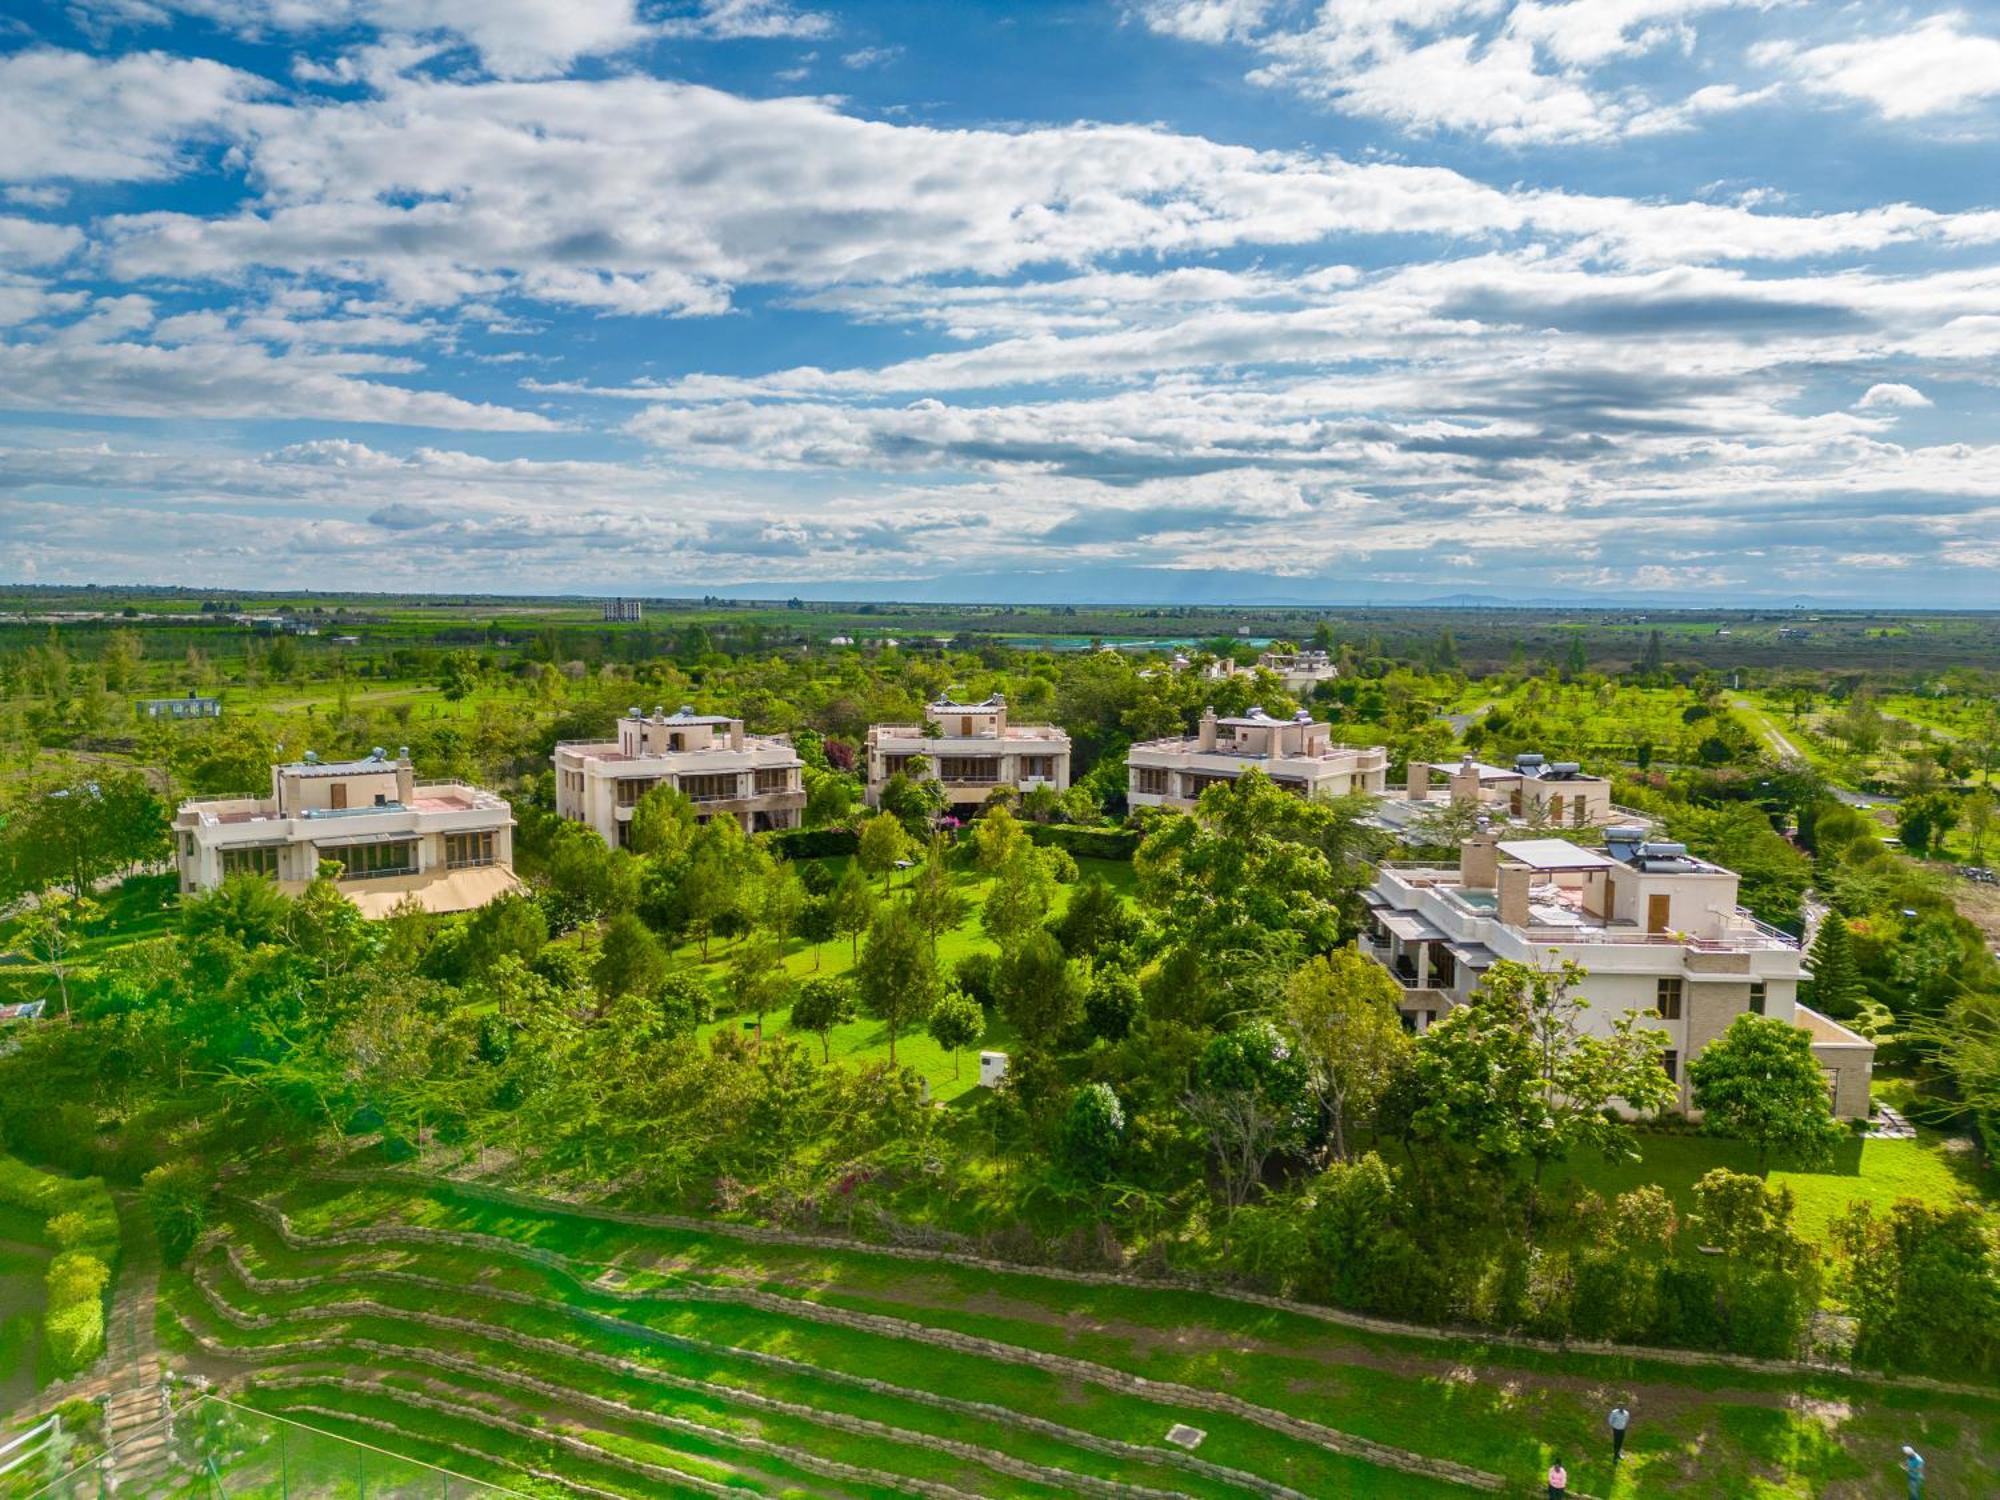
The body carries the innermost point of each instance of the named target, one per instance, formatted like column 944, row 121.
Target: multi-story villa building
column 1558, row 794
column 1297, row 753
column 1656, row 928
column 445, row 843
column 623, row 611
column 1300, row 671
column 753, row 778
column 973, row 751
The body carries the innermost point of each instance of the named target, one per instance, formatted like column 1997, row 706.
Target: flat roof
column 1555, row 854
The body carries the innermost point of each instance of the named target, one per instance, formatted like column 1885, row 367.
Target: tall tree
column 1250, row 1100
column 934, row 898
column 884, row 845
column 955, row 1023
column 1835, row 988
column 1019, row 897
column 823, row 1004
column 1039, row 989
column 1341, row 1014
column 897, row 979
column 853, row 903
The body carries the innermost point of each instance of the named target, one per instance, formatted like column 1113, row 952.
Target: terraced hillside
column 623, row 1358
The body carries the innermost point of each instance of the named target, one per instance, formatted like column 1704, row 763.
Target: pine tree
column 1835, row 987
column 1654, row 662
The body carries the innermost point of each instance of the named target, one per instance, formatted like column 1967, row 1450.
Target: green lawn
column 1863, row 1171
column 869, row 1040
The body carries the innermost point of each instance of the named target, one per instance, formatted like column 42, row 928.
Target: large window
column 464, row 850
column 262, row 862
column 1671, row 1061
column 1150, row 781
column 978, row 769
column 774, row 781
column 1758, row 997
column 370, row 861
column 709, row 788
column 1667, row 999
column 627, row 790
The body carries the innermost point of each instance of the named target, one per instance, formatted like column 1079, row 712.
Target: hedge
column 80, row 1218
column 814, row 843
column 1086, row 843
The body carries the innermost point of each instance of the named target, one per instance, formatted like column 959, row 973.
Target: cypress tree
column 1835, row 987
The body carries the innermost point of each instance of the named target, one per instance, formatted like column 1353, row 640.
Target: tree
column 1923, row 821
column 821, row 1005
column 1250, row 1100
column 1020, row 896
column 176, row 1196
column 1513, row 1075
column 663, row 822
column 1111, row 1004
column 1090, row 1135
column 955, row 1023
column 1038, row 989
column 1835, row 988
column 1923, row 1285
column 853, row 903
column 758, row 981
column 884, row 845
column 1760, row 1082
column 722, row 870
column 588, row 880
column 818, row 923
column 996, row 839
column 1341, row 1013
column 934, row 899
column 913, row 797
column 630, row 960
column 1096, row 918
column 897, row 979
column 51, row 928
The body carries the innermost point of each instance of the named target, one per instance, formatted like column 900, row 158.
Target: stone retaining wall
column 1108, row 1377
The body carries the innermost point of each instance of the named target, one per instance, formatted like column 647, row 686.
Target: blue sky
column 1160, row 299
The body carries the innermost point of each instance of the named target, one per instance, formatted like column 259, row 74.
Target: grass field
column 654, row 1360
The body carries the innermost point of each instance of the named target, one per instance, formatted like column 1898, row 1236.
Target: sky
column 1062, row 300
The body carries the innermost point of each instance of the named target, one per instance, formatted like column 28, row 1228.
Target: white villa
column 1656, row 928
column 975, row 750
column 753, row 778
column 1297, row 753
column 445, row 843
column 1555, row 794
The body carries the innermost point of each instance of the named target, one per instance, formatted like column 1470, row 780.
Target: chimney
column 1513, row 884
column 1420, row 780
column 406, row 779
column 736, row 734
column 1465, row 782
column 1205, row 736
column 1478, row 857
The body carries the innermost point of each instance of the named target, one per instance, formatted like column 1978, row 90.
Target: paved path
column 127, row 1377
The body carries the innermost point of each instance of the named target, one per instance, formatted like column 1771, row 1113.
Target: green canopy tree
column 884, row 844
column 1341, row 1013
column 821, row 1005
column 663, row 823
column 955, row 1023
column 1023, row 891
column 1039, row 989
column 1760, row 1082
column 1835, row 988
column 853, row 902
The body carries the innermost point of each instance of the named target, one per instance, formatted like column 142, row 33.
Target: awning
column 1410, row 927
column 1554, row 854
column 278, row 842
column 354, row 840
column 1472, row 955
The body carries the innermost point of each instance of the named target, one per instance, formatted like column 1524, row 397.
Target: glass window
column 366, row 861
column 262, row 862
column 1757, row 997
column 1671, row 1061
column 1667, row 999
column 464, row 850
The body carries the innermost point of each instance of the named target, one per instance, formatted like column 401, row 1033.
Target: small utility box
column 992, row 1069
column 1183, row 1436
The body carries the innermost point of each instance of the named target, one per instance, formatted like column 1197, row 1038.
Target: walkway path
column 127, row 1377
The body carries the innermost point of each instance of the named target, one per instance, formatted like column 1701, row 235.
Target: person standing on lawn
column 1558, row 1481
column 1619, row 1419
column 1913, row 1466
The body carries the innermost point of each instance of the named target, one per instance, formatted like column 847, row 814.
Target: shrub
column 176, row 1197
column 1086, row 843
column 73, row 1325
column 814, row 843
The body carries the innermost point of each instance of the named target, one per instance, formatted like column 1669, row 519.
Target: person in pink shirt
column 1558, row 1480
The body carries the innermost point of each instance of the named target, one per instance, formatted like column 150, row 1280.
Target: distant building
column 756, row 779
column 1656, row 928
column 1300, row 671
column 193, row 706
column 622, row 611
column 1298, row 754
column 975, row 750
column 1558, row 794
column 447, row 844
column 841, row 640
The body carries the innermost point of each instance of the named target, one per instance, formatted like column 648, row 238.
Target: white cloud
column 1517, row 74
column 65, row 115
column 1890, row 393
column 729, row 20
column 1936, row 67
